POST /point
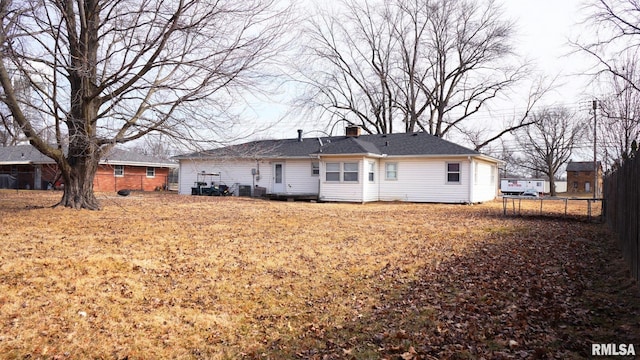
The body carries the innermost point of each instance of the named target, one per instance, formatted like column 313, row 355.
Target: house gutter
column 28, row 162
column 129, row 163
column 352, row 155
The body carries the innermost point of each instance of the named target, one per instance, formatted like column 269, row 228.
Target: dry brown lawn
column 156, row 276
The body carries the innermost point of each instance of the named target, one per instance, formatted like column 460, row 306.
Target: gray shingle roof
column 349, row 145
column 418, row 143
column 581, row 166
column 27, row 154
column 23, row 154
column 261, row 149
column 399, row 144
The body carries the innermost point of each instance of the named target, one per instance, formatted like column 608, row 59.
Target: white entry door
column 278, row 178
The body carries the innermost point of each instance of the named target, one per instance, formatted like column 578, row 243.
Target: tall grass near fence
column 622, row 210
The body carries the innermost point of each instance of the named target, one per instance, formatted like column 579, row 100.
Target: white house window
column 347, row 172
column 118, row 170
column 453, row 173
column 315, row 168
column 391, row 171
column 332, row 172
column 151, row 172
column 350, row 172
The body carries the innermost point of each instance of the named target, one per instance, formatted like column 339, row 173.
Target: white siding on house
column 419, row 179
column 485, row 181
column 424, row 180
column 371, row 190
column 232, row 173
column 297, row 174
column 298, row 178
column 340, row 190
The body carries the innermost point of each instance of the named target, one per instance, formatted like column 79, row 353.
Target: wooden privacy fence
column 622, row 210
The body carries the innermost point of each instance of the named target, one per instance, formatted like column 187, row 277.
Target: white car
column 531, row 193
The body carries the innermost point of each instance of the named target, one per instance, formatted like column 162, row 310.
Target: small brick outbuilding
column 24, row 167
column 581, row 177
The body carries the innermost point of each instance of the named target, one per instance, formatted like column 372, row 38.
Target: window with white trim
column 391, row 171
column 315, row 168
column 372, row 171
column 350, row 172
column 118, row 170
column 151, row 172
column 345, row 172
column 332, row 172
column 453, row 173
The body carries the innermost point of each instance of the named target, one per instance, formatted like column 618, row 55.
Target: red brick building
column 581, row 177
column 23, row 167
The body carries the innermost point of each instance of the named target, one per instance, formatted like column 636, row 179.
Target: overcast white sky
column 544, row 29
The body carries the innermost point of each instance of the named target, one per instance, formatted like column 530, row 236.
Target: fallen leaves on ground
column 167, row 276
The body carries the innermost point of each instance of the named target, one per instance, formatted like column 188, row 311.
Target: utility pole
column 595, row 162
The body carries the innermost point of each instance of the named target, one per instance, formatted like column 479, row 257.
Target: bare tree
column 549, row 142
column 619, row 124
column 109, row 72
column 425, row 65
column 352, row 58
column 156, row 145
column 10, row 132
column 616, row 26
column 7, row 136
column 482, row 135
column 465, row 51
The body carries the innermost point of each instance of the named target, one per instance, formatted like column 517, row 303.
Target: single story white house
column 414, row 167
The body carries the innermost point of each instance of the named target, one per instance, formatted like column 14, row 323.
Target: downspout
column 471, row 178
column 381, row 171
column 365, row 179
column 379, row 175
column 320, row 172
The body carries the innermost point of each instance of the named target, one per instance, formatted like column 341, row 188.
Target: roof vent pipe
column 299, row 135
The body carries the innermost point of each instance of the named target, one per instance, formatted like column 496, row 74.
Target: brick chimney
column 353, row 131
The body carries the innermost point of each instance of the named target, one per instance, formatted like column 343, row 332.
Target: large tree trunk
column 552, row 186
column 78, row 173
column 84, row 152
column 78, row 191
column 80, row 76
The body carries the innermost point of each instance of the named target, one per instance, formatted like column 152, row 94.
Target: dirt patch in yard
column 167, row 276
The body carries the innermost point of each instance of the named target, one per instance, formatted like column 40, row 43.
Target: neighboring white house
column 415, row 167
